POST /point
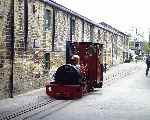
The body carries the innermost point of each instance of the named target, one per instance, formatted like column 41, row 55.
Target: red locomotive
column 73, row 80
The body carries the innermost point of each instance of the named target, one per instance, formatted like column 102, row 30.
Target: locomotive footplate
column 64, row 91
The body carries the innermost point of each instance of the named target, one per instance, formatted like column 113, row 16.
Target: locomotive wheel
column 99, row 85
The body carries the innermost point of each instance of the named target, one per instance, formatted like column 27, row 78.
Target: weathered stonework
column 95, row 35
column 61, row 30
column 35, row 25
column 120, row 50
column 5, row 45
column 1, row 32
column 86, row 32
column 101, row 36
column 116, row 49
column 29, row 70
column 56, row 60
column 4, row 81
column 78, row 30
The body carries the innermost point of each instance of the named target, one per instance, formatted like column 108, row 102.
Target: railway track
column 30, row 111
column 25, row 109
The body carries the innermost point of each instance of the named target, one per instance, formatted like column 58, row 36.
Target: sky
column 121, row 14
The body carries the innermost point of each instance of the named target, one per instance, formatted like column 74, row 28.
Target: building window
column 1, row 32
column 36, row 43
column 91, row 32
column 47, row 60
column 137, row 44
column 72, row 25
column 83, row 30
column 34, row 8
column 99, row 35
column 47, row 20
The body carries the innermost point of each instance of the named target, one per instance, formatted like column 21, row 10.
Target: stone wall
column 120, row 49
column 95, row 35
column 115, row 50
column 61, row 30
column 109, row 48
column 29, row 66
column 5, row 46
column 101, row 36
column 86, row 32
column 37, row 38
column 78, row 30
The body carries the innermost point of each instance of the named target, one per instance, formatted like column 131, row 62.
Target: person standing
column 148, row 64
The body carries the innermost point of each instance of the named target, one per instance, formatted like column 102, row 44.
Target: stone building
column 116, row 45
column 33, row 41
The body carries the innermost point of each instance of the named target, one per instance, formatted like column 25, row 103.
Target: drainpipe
column 71, row 28
column 12, row 50
column 105, row 64
column 25, row 23
column 83, row 30
column 53, row 33
column 112, row 42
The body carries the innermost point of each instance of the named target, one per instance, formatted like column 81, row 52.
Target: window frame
column 48, row 17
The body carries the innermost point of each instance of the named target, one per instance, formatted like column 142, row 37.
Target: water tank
column 67, row 74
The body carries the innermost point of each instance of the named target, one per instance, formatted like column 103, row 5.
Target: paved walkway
column 37, row 96
column 119, row 71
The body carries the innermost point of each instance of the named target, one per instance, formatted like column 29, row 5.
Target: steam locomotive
column 72, row 82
